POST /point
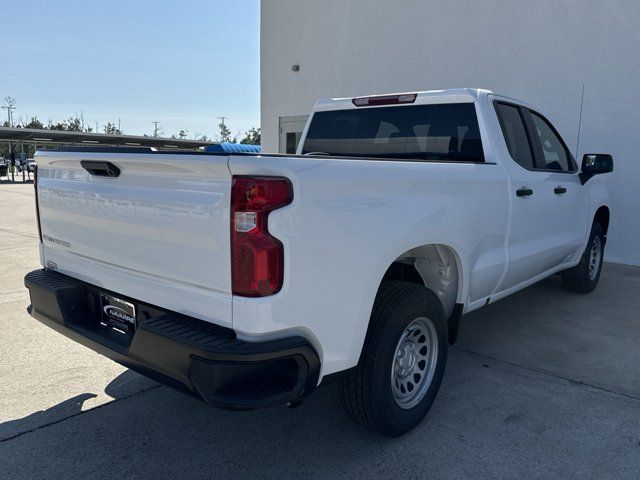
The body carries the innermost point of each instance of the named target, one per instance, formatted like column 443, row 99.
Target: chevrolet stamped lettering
column 56, row 241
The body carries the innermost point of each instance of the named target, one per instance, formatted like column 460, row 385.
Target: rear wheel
column 402, row 362
column 584, row 277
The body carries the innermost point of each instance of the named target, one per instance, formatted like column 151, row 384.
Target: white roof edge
column 453, row 95
column 513, row 100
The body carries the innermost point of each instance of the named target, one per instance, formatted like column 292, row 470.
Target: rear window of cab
column 442, row 132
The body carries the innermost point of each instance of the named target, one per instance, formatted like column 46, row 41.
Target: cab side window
column 551, row 153
column 515, row 134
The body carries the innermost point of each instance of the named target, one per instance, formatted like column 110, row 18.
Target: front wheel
column 584, row 277
column 402, row 362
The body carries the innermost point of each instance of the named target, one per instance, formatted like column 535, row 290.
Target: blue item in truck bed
column 232, row 148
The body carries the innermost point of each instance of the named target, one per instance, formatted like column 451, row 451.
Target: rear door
column 157, row 232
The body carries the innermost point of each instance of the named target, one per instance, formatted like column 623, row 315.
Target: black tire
column 581, row 279
column 366, row 393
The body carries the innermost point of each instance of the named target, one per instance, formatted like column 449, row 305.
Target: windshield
column 419, row 132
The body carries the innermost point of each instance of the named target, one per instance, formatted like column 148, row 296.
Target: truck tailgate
column 158, row 231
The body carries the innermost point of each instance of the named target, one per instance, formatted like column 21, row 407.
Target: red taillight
column 384, row 100
column 257, row 258
column 35, row 186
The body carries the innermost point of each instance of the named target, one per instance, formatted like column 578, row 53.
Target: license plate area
column 117, row 314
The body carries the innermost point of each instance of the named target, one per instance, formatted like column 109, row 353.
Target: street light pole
column 26, row 163
column 9, row 106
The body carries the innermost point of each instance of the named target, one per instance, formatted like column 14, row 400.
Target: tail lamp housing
column 257, row 257
column 384, row 100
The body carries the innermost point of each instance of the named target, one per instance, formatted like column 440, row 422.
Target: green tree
column 74, row 124
column 225, row 134
column 33, row 123
column 57, row 126
column 252, row 137
column 112, row 129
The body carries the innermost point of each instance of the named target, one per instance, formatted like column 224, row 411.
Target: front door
column 545, row 207
column 562, row 187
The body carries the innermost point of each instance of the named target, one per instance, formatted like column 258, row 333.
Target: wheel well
column 435, row 266
column 404, row 272
column 602, row 217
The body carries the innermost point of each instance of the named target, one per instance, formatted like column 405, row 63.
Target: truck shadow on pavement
column 124, row 386
column 43, row 418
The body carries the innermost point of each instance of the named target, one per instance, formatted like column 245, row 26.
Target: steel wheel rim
column 594, row 258
column 414, row 362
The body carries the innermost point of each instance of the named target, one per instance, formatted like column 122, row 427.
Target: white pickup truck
column 249, row 280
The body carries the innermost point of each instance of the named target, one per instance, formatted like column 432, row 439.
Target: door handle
column 100, row 169
column 524, row 192
column 559, row 190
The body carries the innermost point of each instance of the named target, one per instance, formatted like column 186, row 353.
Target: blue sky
column 182, row 63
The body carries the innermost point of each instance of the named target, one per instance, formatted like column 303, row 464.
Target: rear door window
column 447, row 132
column 515, row 134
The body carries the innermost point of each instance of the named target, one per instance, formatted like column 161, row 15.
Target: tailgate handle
column 100, row 169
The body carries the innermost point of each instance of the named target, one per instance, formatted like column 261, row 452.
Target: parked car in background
column 4, row 167
column 27, row 164
column 247, row 280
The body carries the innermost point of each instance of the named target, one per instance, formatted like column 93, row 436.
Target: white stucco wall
column 541, row 51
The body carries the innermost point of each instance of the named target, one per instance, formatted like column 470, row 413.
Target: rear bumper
column 191, row 355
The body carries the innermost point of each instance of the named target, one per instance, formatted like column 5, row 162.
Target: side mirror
column 595, row 164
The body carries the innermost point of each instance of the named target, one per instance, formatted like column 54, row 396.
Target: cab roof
column 454, row 95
